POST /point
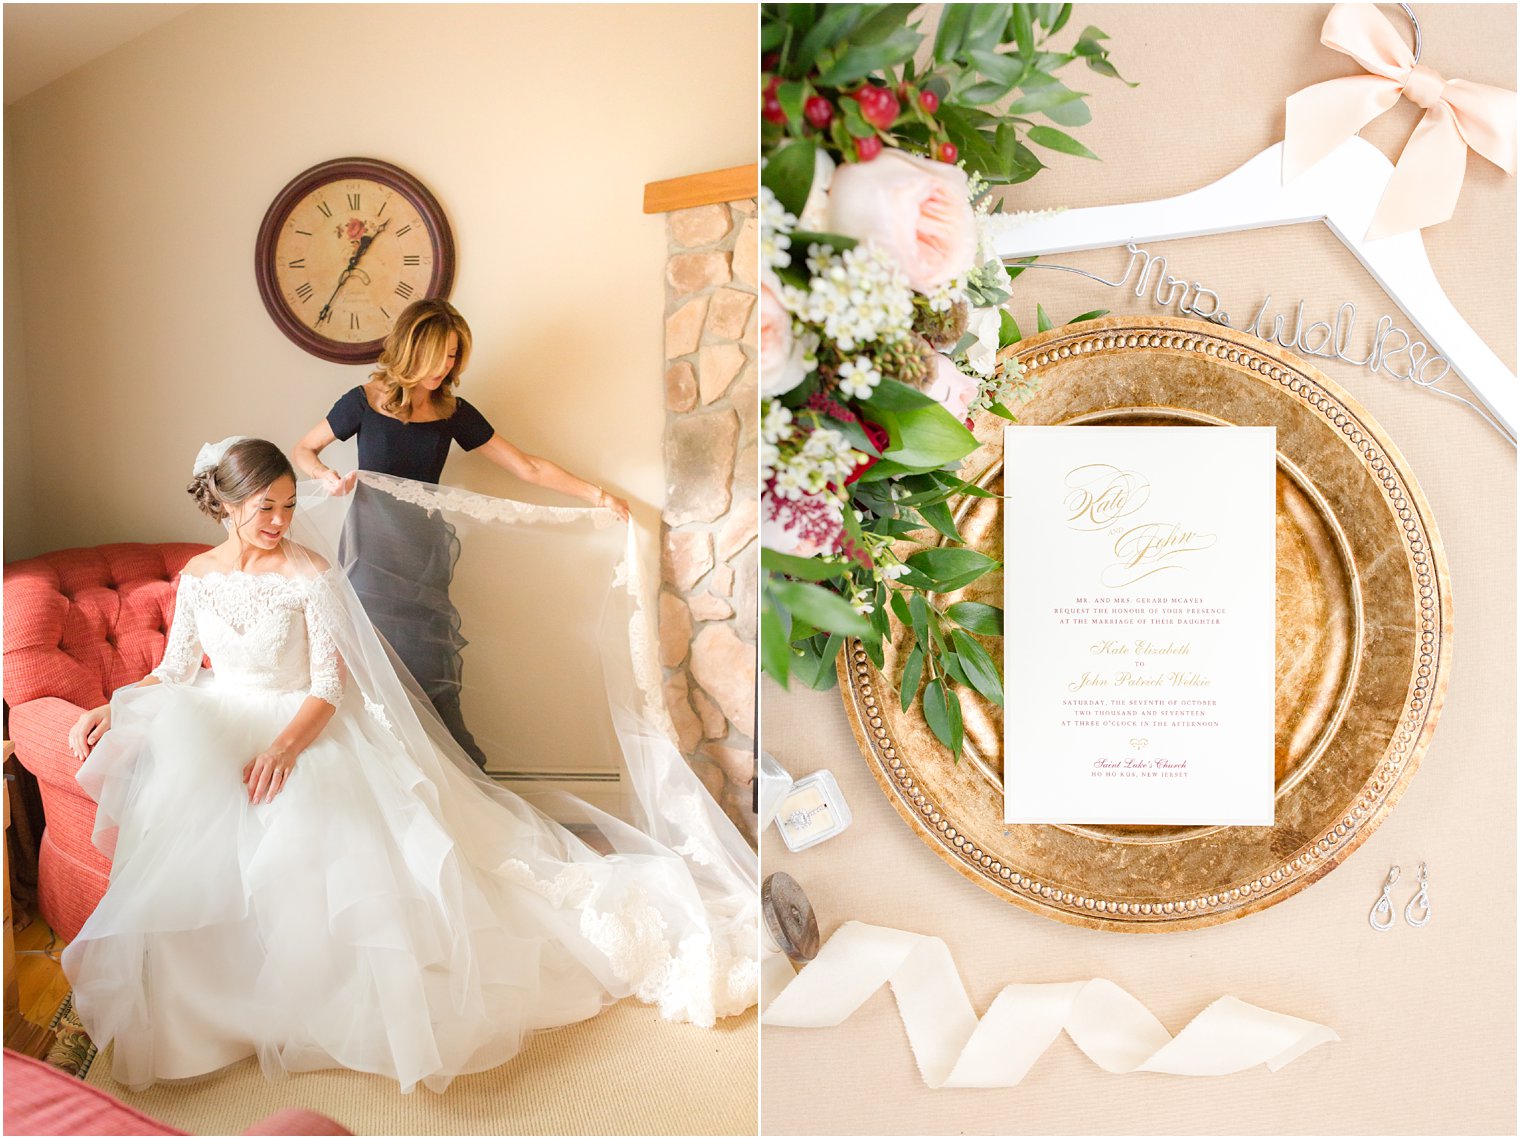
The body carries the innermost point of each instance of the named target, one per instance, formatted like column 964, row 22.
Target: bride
column 306, row 866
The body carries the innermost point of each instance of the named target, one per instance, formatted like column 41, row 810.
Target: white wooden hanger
column 1343, row 191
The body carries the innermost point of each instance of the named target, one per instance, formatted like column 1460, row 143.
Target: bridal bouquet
column 881, row 318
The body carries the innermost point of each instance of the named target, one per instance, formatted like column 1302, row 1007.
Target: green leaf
column 859, row 61
column 836, row 23
column 1001, row 68
column 942, row 711
column 985, row 28
column 821, row 608
column 1042, row 321
column 1103, row 67
column 951, row 567
column 1008, row 330
column 1074, row 113
column 900, row 610
column 894, row 395
column 937, row 514
column 802, row 238
column 1023, row 30
column 789, row 174
column 1002, row 412
column 922, row 434
column 1052, row 139
column 791, row 96
column 806, row 569
column 775, row 653
column 883, row 23
column 772, row 36
column 953, row 21
column 1093, row 315
column 984, row 619
column 1016, row 269
column 920, row 614
column 1065, row 14
column 989, row 91
column 1021, row 163
column 1087, row 42
column 1042, row 99
column 815, row 666
column 978, row 666
column 854, row 120
column 950, row 665
column 913, row 672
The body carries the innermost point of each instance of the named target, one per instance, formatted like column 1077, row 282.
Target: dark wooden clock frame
column 339, row 169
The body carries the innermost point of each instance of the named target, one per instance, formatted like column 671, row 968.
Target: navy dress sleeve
column 470, row 428
column 346, row 413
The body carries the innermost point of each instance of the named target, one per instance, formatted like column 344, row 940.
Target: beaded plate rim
column 1423, row 700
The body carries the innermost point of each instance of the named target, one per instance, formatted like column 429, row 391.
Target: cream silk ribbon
column 1458, row 114
column 955, row 1050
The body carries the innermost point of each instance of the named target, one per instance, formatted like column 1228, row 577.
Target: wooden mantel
column 731, row 185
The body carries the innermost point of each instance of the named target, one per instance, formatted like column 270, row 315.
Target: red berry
column 769, row 60
column 771, row 110
column 929, row 101
column 878, row 106
column 868, row 148
column 771, row 84
column 947, row 152
column 819, row 111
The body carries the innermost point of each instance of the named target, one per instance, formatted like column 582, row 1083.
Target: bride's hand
column 267, row 773
column 88, row 729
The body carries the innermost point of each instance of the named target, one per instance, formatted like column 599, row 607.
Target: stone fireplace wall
column 710, row 559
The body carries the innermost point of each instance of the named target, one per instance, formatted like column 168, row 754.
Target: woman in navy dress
column 407, row 417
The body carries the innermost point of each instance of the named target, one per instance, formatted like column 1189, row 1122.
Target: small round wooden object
column 789, row 917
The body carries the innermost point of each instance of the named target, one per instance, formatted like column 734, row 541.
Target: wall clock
column 344, row 247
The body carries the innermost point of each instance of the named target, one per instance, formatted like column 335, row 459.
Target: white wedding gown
column 375, row 915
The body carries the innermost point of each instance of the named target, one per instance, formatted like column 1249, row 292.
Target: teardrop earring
column 1383, row 907
column 1421, row 900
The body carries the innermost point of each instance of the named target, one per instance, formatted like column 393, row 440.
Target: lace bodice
column 261, row 630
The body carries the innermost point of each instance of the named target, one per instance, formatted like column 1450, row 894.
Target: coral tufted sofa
column 79, row 624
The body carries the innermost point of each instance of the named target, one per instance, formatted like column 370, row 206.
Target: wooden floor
column 40, row 978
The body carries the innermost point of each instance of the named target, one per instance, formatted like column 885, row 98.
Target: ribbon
column 956, row 1050
column 1458, row 115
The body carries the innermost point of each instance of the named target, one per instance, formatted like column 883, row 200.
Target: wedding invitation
column 1139, row 625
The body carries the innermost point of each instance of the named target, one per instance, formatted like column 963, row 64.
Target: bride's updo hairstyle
column 248, row 467
column 415, row 350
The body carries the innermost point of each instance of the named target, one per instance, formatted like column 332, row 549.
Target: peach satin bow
column 1458, row 115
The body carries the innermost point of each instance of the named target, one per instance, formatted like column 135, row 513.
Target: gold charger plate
column 1363, row 643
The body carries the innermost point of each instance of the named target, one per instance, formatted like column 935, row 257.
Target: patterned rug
column 73, row 1051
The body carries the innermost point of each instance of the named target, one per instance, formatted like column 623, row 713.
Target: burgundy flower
column 879, row 439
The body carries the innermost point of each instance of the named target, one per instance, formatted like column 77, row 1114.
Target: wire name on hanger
column 1391, row 350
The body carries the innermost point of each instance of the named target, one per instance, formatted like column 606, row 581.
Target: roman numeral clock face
column 343, row 249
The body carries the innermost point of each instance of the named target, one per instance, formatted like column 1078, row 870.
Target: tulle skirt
column 360, row 920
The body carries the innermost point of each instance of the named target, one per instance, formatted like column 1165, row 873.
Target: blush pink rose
column 951, row 387
column 914, row 209
column 354, row 229
column 782, row 357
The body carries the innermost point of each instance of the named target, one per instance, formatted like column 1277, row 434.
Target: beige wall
column 137, row 184
column 18, row 448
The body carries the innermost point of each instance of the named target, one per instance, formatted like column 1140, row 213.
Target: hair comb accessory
column 211, row 454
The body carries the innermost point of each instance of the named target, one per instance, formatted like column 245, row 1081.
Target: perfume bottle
column 812, row 811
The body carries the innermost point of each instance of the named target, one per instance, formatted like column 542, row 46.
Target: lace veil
column 528, row 631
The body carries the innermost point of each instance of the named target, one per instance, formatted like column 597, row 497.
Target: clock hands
column 353, row 264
